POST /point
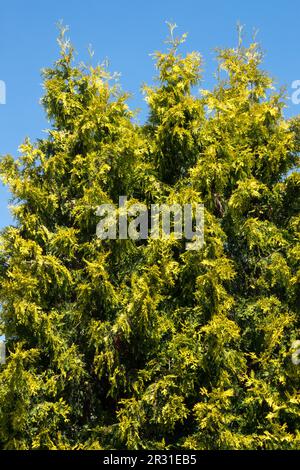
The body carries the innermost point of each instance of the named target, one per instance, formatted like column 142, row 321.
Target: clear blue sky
column 126, row 32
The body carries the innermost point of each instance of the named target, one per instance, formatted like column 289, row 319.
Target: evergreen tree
column 144, row 344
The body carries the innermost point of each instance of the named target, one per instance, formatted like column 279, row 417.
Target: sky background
column 125, row 33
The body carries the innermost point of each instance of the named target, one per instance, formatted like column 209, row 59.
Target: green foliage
column 122, row 344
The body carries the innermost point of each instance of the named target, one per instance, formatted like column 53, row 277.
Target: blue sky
column 126, row 32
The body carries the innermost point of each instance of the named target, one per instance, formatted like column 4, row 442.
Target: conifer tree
column 123, row 344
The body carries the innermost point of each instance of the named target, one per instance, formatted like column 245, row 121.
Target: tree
column 143, row 344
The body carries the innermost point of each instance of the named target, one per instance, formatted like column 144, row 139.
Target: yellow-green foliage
column 130, row 345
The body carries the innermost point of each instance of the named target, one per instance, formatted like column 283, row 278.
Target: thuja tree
column 144, row 344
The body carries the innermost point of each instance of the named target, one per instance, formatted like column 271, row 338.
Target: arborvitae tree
column 143, row 344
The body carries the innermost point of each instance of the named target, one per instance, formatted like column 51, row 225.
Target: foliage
column 123, row 344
